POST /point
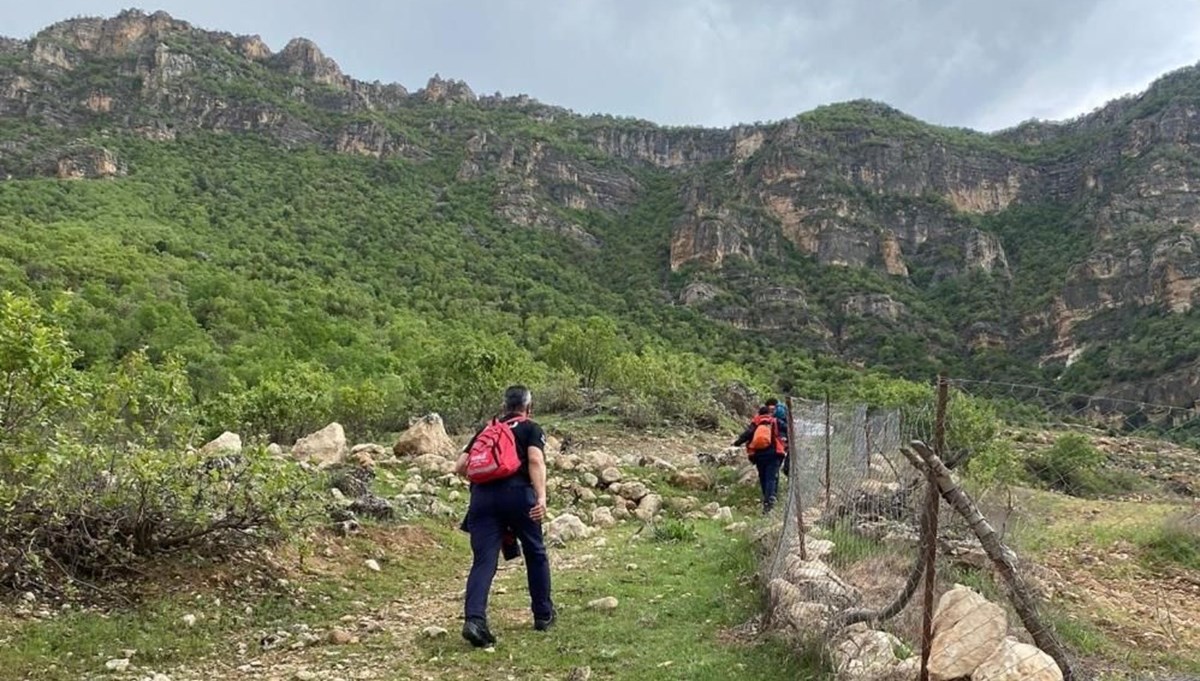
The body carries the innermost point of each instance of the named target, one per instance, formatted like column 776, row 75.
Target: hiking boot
column 477, row 633
column 543, row 625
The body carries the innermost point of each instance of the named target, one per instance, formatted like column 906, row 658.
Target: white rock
column 967, row 630
column 606, row 604
column 648, row 507
column 117, row 665
column 817, row 581
column 598, row 461
column 325, row 447
column 724, row 514
column 225, row 443
column 602, row 517
column 610, row 475
column 373, row 565
column 634, row 491
column 434, row 632
column 866, row 654
column 426, row 435
column 274, row 450
column 566, row 527
column 589, row 479
column 1016, row 661
column 189, row 620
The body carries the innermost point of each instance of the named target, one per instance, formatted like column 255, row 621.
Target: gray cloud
column 974, row 63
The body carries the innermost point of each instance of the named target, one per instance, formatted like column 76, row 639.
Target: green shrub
column 559, row 393
column 94, row 513
column 996, row 464
column 97, row 475
column 1070, row 465
column 673, row 531
column 1176, row 542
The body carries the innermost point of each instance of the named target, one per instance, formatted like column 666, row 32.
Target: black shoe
column 543, row 625
column 476, row 631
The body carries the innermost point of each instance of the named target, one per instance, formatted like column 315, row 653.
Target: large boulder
column 226, row 443
column 967, row 630
column 565, row 528
column 426, row 435
column 1016, row 661
column 326, row 447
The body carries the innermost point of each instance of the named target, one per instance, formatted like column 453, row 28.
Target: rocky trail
column 651, row 546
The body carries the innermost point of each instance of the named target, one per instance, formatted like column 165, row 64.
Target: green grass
column 678, row 602
column 1176, row 542
column 673, row 607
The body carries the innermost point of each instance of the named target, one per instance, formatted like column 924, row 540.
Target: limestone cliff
column 847, row 229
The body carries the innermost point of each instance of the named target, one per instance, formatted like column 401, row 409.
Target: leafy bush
column 1070, row 465
column 673, row 531
column 97, row 475
column 995, row 464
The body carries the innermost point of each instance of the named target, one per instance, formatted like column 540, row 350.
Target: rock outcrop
column 426, row 435
column 326, row 447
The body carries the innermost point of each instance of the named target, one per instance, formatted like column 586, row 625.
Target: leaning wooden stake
column 793, row 477
column 1001, row 556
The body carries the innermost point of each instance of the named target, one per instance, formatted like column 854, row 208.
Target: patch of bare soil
column 1137, row 608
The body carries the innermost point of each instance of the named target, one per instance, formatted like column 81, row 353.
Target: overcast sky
column 985, row 64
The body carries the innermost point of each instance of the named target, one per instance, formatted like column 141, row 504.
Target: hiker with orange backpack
column 765, row 448
column 506, row 465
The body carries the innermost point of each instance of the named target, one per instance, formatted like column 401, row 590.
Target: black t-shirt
column 527, row 434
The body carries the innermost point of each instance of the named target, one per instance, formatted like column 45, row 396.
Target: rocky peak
column 439, row 90
column 252, row 47
column 301, row 57
column 130, row 31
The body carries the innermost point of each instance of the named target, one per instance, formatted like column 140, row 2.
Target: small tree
column 588, row 349
column 36, row 375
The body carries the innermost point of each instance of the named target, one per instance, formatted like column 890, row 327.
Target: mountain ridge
column 852, row 230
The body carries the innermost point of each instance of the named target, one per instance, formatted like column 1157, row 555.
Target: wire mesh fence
column 945, row 541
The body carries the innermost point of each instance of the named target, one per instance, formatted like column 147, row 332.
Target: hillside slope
column 258, row 206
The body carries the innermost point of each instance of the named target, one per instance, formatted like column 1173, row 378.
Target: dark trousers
column 768, row 463
column 495, row 508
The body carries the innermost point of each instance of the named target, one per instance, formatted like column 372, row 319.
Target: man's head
column 517, row 399
column 764, row 410
column 772, row 403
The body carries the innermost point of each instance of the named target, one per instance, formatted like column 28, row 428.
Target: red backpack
column 493, row 456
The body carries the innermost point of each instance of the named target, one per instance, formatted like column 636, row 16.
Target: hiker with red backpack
column 766, row 450
column 506, row 465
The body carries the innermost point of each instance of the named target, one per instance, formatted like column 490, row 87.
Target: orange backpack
column 764, row 436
